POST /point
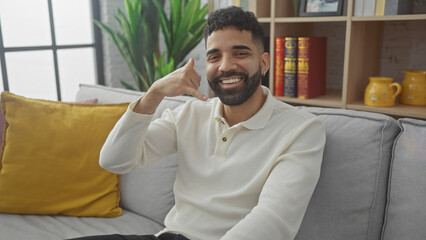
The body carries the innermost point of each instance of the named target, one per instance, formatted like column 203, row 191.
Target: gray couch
column 372, row 185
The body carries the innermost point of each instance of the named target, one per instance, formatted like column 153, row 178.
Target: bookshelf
column 354, row 49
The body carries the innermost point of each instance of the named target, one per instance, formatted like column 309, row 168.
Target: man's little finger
column 193, row 92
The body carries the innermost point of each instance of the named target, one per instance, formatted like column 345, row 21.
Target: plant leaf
column 191, row 9
column 175, row 15
column 165, row 26
column 182, row 42
column 126, row 85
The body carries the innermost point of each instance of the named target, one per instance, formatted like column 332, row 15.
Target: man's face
column 235, row 65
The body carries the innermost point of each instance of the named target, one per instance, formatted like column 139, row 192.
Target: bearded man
column 248, row 163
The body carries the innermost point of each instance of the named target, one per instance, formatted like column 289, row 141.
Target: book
column 244, row 4
column 279, row 67
column 290, row 67
column 358, row 7
column 222, row 3
column 398, row 7
column 380, row 8
column 369, row 7
column 311, row 66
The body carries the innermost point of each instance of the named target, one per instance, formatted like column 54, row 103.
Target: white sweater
column 253, row 180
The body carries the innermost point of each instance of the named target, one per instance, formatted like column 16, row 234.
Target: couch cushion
column 85, row 101
column 147, row 191
column 406, row 217
column 18, row 227
column 349, row 200
column 49, row 159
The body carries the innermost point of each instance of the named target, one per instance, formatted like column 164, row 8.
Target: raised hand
column 184, row 80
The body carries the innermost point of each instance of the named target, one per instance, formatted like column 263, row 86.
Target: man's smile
column 231, row 82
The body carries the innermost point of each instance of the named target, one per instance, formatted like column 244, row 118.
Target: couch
column 372, row 184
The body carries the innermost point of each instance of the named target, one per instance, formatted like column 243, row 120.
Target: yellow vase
column 381, row 92
column 414, row 88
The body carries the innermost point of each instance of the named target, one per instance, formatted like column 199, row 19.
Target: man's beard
column 238, row 95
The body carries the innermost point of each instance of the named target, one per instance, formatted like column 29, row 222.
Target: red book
column 279, row 67
column 311, row 67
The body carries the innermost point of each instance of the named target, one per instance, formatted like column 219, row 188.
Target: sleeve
column 288, row 189
column 136, row 140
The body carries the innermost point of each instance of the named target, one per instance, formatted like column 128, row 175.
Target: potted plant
column 138, row 42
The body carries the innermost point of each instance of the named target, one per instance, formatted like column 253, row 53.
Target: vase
column 414, row 88
column 381, row 92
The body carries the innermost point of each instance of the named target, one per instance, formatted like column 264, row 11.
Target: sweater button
column 224, row 139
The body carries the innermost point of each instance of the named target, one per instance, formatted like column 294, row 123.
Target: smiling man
column 248, row 164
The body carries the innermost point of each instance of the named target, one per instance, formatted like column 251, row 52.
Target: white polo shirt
column 253, row 180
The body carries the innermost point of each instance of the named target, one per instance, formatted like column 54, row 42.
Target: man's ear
column 264, row 62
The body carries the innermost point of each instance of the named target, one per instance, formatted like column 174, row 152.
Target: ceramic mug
column 381, row 92
column 414, row 88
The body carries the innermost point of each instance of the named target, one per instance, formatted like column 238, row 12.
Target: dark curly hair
column 234, row 17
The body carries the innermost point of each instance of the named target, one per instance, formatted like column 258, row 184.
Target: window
column 49, row 47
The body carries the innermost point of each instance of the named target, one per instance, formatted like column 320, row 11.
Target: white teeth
column 233, row 80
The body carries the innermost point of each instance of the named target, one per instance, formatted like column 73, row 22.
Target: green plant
column 184, row 29
column 138, row 42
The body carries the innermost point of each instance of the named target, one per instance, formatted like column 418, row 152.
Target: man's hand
column 184, row 80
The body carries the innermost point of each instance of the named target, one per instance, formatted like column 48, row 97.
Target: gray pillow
column 149, row 191
column 405, row 214
column 349, row 200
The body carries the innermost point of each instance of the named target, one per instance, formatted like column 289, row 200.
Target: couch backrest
column 349, row 200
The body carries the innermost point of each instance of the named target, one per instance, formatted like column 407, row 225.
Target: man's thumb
column 190, row 62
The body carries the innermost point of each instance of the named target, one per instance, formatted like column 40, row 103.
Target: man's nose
column 227, row 64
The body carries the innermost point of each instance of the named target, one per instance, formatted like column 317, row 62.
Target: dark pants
column 164, row 236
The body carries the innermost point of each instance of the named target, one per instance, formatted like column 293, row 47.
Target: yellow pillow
column 49, row 158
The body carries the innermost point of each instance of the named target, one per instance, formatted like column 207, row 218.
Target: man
column 248, row 164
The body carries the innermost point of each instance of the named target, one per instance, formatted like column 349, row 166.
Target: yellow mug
column 414, row 88
column 381, row 92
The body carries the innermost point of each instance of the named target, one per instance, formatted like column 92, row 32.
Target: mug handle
column 398, row 89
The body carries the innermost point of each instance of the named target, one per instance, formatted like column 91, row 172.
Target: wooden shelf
column 391, row 18
column 359, row 53
column 356, row 45
column 264, row 20
column 310, row 19
column 332, row 98
column 400, row 110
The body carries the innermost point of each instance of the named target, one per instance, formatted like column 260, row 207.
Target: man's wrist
column 149, row 102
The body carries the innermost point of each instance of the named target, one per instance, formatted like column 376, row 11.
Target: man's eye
column 241, row 54
column 211, row 58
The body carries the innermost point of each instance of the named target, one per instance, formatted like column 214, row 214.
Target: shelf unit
column 358, row 56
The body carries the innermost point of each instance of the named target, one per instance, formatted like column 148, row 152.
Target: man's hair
column 237, row 18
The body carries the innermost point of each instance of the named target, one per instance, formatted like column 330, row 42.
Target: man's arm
column 287, row 191
column 136, row 141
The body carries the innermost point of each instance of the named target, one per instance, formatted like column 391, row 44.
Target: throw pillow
column 49, row 158
column 88, row 101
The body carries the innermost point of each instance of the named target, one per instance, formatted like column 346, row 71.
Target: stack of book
column 382, row 7
column 300, row 66
column 244, row 4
